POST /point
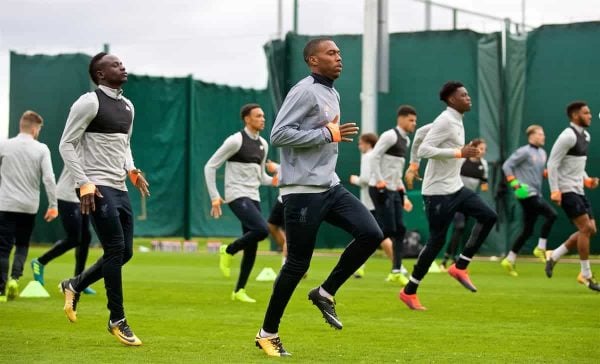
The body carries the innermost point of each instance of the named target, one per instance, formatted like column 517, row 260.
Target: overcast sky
column 221, row 40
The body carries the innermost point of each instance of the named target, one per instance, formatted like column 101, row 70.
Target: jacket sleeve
column 430, row 147
column 515, row 159
column 230, row 146
column 384, row 143
column 48, row 178
column 565, row 141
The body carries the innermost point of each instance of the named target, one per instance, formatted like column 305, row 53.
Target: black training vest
column 251, row 151
column 580, row 149
column 472, row 169
column 113, row 117
column 400, row 148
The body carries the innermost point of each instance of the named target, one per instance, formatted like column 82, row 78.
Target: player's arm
column 265, row 179
column 135, row 175
column 438, row 134
column 515, row 159
column 412, row 172
column 384, row 143
column 80, row 116
column 565, row 141
column 49, row 182
column 231, row 146
column 287, row 130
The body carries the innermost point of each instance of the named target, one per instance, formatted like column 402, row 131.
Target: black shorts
column 276, row 216
column 576, row 205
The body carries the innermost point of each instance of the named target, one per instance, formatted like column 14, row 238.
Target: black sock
column 411, row 288
column 462, row 263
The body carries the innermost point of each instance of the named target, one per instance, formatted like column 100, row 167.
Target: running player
column 244, row 155
column 24, row 163
column 444, row 193
column 95, row 147
column 386, row 188
column 366, row 143
column 524, row 171
column 77, row 228
column 308, row 130
column 567, row 177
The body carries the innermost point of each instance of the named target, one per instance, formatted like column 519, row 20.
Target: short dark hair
column 93, row 69
column 247, row 109
column 477, row 142
column 574, row 107
column 369, row 138
column 311, row 47
column 448, row 89
column 405, row 110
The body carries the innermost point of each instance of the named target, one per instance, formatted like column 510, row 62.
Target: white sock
column 464, row 258
column 71, row 288
column 325, row 294
column 414, row 280
column 511, row 257
column 559, row 252
column 114, row 323
column 542, row 243
column 396, row 271
column 283, row 259
column 586, row 270
column 263, row 333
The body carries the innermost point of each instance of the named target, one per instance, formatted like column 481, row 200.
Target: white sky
column 221, row 40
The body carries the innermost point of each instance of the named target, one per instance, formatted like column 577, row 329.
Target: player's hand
column 139, row 181
column 408, row 206
column 88, row 194
column 216, row 210
column 381, row 185
column 469, row 151
column 341, row 132
column 354, row 179
column 556, row 197
column 272, row 167
column 410, row 176
column 591, row 182
column 484, row 187
column 51, row 214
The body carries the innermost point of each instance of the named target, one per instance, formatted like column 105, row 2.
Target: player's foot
column 590, row 283
column 510, row 267
column 71, row 299
column 412, row 301
column 360, row 272
column 540, row 254
column 444, row 266
column 12, row 289
column 271, row 345
column 397, row 277
column 38, row 271
column 327, row 308
column 242, row 296
column 225, row 261
column 550, row 263
column 462, row 277
column 123, row 333
column 89, row 290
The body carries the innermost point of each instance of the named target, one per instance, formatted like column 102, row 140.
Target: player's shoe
column 327, row 308
column 123, row 333
column 590, row 283
column 71, row 300
column 550, row 263
column 462, row 277
column 242, row 296
column 510, row 267
column 397, row 277
column 360, row 272
column 540, row 254
column 271, row 345
column 12, row 289
column 38, row 271
column 444, row 266
column 89, row 290
column 225, row 261
column 411, row 300
column 2, row 297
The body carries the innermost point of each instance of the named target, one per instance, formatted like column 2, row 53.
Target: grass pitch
column 179, row 305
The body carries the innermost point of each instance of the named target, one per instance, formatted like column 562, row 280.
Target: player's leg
column 458, row 228
column 399, row 233
column 472, row 205
column 586, row 225
column 303, row 216
column 256, row 227
column 529, row 216
column 7, row 240
column 24, row 228
column 550, row 215
column 70, row 217
column 386, row 220
column 276, row 224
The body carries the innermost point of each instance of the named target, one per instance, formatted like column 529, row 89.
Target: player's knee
column 374, row 234
column 592, row 228
column 588, row 229
column 489, row 217
column 127, row 255
column 262, row 232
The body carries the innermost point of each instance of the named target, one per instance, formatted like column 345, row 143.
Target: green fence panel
column 47, row 85
column 159, row 144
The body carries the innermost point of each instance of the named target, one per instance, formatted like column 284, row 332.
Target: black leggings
column 15, row 229
column 532, row 208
